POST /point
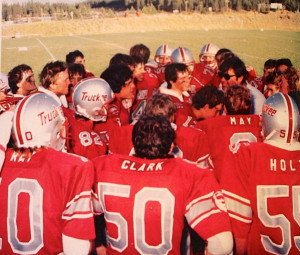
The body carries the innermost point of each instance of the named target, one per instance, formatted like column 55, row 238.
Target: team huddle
column 170, row 156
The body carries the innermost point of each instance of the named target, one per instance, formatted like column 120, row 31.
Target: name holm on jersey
column 135, row 166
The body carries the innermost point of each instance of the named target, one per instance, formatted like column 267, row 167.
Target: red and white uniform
column 184, row 115
column 121, row 111
column 226, row 133
column 262, row 195
column 144, row 203
column 43, row 197
column 202, row 75
column 84, row 139
column 157, row 69
column 144, row 90
column 190, row 143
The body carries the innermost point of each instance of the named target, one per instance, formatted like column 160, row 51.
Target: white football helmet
column 280, row 122
column 163, row 51
column 91, row 98
column 185, row 56
column 3, row 82
column 39, row 121
column 207, row 54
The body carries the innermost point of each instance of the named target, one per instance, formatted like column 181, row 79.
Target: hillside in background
column 280, row 20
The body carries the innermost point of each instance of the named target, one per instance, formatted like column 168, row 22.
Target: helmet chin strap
column 270, row 135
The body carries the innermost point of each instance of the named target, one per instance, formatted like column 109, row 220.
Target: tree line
column 89, row 8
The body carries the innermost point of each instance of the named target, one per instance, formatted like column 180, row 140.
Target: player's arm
column 74, row 246
column 220, row 244
column 6, row 120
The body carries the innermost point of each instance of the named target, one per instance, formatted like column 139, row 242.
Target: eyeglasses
column 226, row 76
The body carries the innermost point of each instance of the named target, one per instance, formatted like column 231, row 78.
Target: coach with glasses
column 233, row 72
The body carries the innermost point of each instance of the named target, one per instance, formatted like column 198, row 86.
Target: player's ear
column 171, row 148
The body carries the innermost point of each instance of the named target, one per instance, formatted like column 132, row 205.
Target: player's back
column 146, row 201
column 226, row 133
column 266, row 179
column 43, row 197
column 190, row 143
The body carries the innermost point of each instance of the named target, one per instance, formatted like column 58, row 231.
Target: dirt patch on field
column 280, row 20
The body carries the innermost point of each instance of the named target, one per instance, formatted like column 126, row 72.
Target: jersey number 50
column 161, row 195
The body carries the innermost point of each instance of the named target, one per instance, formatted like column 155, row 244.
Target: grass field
column 253, row 46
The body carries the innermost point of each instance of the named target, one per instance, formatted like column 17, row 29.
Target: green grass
column 254, row 47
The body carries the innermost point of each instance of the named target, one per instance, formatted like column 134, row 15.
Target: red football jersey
column 43, row 197
column 226, row 133
column 262, row 194
column 184, row 115
column 84, row 139
column 144, row 90
column 202, row 75
column 156, row 69
column 145, row 202
column 190, row 143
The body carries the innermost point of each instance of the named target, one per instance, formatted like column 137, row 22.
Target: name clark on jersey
column 136, row 166
column 284, row 165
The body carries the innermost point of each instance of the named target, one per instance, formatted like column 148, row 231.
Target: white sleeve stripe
column 230, row 194
column 200, row 208
column 238, row 208
column 203, row 217
column 231, row 215
column 83, row 193
column 78, row 216
column 82, row 205
column 209, row 195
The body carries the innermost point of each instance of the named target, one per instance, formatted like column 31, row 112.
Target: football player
column 120, row 79
column 21, row 80
column 45, row 194
column 233, row 72
column 146, row 85
column 55, row 81
column 226, row 133
column 161, row 59
column 77, row 57
column 205, row 71
column 91, row 118
column 190, row 143
column 262, row 188
column 207, row 103
column 146, row 197
column 177, row 87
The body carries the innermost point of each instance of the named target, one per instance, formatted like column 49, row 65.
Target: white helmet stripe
column 182, row 54
column 291, row 118
column 18, row 113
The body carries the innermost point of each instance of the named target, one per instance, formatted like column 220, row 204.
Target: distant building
column 276, row 6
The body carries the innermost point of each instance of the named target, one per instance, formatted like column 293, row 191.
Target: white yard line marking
column 94, row 40
column 49, row 52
